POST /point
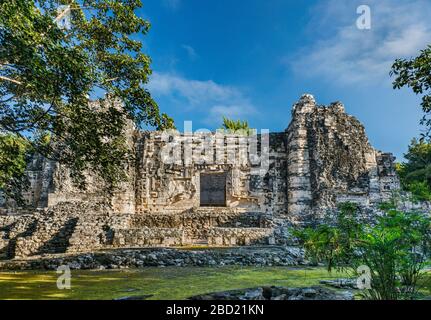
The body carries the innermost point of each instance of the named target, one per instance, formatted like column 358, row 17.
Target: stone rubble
column 341, row 283
column 163, row 257
column 277, row 293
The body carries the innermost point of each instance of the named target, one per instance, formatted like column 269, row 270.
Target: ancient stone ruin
column 216, row 189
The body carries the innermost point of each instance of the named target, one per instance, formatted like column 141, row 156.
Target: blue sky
column 253, row 59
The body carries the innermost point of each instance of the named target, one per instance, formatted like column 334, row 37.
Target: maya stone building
column 210, row 188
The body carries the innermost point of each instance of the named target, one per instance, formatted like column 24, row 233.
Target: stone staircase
column 239, row 236
column 96, row 231
column 209, row 226
column 147, row 237
column 51, row 235
column 13, row 228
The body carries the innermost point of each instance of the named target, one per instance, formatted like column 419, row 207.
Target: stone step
column 144, row 237
column 201, row 219
column 51, row 235
column 240, row 236
column 201, row 242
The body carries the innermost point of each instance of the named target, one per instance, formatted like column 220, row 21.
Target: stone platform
column 80, row 227
column 162, row 257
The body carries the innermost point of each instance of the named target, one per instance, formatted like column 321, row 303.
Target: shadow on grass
column 162, row 283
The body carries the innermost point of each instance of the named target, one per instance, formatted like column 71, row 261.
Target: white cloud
column 196, row 92
column 347, row 55
column 191, row 52
column 214, row 99
column 232, row 111
column 172, row 4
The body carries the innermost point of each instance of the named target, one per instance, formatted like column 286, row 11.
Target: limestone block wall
column 63, row 228
column 389, row 180
column 239, row 236
column 12, row 228
column 299, row 189
column 96, row 231
column 49, row 236
column 51, row 183
column 4, row 244
column 144, row 237
column 197, row 225
column 63, row 189
column 40, row 173
column 163, row 186
column 273, row 183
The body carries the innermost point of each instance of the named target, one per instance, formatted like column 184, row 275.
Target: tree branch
column 10, row 80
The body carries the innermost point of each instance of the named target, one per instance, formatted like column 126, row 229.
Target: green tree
column 13, row 156
column 415, row 173
column 49, row 70
column 415, row 73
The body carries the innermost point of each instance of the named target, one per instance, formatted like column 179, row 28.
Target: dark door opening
column 213, row 190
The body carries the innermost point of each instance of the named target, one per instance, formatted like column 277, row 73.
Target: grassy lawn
column 162, row 283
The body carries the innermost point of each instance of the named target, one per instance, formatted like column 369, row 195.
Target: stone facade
column 207, row 188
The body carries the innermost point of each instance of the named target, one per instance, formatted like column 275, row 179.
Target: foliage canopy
column 415, row 73
column 415, row 173
column 54, row 57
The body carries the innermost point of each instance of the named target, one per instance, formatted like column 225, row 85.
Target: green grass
column 162, row 283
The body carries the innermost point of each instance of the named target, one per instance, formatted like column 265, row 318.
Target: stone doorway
column 213, row 190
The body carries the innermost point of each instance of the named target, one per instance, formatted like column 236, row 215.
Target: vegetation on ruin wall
column 49, row 70
column 394, row 248
column 240, row 127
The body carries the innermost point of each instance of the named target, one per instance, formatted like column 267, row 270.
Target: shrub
column 420, row 190
column 394, row 247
